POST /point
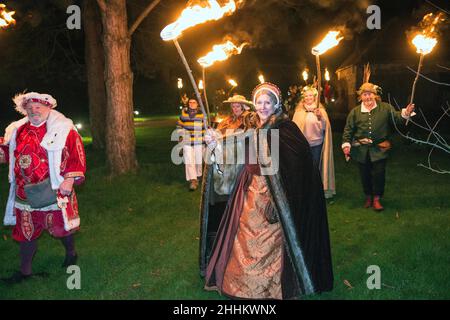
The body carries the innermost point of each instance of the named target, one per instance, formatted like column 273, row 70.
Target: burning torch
column 191, row 17
column 220, row 52
column 331, row 40
column 233, row 84
column 6, row 18
column 305, row 76
column 261, row 78
column 424, row 42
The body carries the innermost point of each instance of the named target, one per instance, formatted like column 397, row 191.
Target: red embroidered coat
column 32, row 163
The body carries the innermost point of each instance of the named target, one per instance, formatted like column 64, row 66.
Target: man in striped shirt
column 192, row 122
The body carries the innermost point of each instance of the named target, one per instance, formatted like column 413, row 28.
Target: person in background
column 192, row 121
column 366, row 140
column 314, row 123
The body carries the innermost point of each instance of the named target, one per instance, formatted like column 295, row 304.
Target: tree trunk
column 120, row 138
column 95, row 69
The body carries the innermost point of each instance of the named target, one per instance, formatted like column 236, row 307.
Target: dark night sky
column 39, row 53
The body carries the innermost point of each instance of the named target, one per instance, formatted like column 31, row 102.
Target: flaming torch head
column 220, row 52
column 426, row 39
column 232, row 83
column 331, row 40
column 424, row 44
column 194, row 15
column 327, row 75
column 305, row 75
column 6, row 18
column 261, row 78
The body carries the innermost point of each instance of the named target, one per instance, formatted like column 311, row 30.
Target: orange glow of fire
column 220, row 52
column 327, row 75
column 232, row 83
column 261, row 78
column 426, row 40
column 424, row 44
column 6, row 18
column 331, row 40
column 194, row 15
column 305, row 75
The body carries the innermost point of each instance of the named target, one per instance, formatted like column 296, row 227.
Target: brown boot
column 193, row 185
column 368, row 202
column 376, row 204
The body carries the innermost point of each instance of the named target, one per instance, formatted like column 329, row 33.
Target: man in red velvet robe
column 45, row 145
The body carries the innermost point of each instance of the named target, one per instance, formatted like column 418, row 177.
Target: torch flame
column 331, row 40
column 261, row 78
column 305, row 75
column 424, row 44
column 220, row 52
column 232, row 82
column 180, row 83
column 195, row 15
column 426, row 40
column 327, row 75
column 6, row 16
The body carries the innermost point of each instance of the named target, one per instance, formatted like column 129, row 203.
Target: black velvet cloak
column 298, row 196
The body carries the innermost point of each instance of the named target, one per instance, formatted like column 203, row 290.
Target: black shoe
column 17, row 277
column 70, row 261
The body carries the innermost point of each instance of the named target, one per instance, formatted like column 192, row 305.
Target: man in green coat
column 366, row 140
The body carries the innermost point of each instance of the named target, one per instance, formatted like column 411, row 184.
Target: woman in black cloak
column 273, row 240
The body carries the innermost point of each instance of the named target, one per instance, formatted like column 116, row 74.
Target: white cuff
column 404, row 116
column 346, row 144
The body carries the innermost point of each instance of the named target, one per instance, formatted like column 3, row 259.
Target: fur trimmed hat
column 22, row 99
column 269, row 87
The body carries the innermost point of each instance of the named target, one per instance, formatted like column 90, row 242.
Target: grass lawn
column 139, row 236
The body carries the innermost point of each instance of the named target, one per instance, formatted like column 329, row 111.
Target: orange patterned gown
column 247, row 259
column 254, row 267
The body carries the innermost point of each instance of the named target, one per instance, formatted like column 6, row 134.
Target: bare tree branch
column 440, row 142
column 446, row 68
column 142, row 16
column 439, row 83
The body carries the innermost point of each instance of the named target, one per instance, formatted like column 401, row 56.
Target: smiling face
column 309, row 97
column 237, row 109
column 37, row 113
column 368, row 98
column 265, row 105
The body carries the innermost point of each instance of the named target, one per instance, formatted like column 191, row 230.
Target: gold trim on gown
column 254, row 268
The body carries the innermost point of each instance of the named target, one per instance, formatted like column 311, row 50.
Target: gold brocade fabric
column 254, row 268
